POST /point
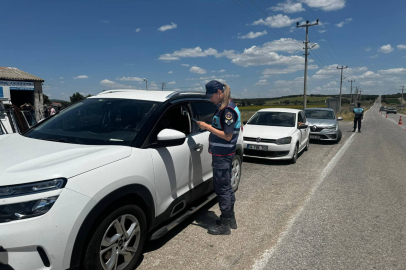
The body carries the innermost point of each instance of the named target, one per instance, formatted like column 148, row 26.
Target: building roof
column 159, row 96
column 11, row 73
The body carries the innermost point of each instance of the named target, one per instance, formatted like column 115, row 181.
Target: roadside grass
column 348, row 115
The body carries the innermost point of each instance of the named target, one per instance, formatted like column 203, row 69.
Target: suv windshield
column 320, row 114
column 96, row 121
column 279, row 119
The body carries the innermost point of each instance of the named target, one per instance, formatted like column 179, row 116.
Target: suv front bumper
column 27, row 244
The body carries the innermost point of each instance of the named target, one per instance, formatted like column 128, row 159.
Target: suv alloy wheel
column 118, row 241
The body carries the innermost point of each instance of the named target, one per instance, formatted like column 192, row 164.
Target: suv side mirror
column 304, row 126
column 340, row 118
column 245, row 122
column 170, row 137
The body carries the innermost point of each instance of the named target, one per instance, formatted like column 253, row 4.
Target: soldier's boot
column 233, row 221
column 221, row 229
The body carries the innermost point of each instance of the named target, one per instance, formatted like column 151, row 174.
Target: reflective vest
column 358, row 111
column 219, row 146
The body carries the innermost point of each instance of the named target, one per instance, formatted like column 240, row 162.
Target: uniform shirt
column 228, row 120
column 359, row 112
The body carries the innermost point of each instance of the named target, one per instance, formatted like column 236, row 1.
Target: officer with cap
column 358, row 116
column 224, row 132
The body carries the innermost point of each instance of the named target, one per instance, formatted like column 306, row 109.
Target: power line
column 341, row 83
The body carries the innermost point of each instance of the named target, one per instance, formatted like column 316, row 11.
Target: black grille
column 259, row 153
column 318, row 129
column 250, row 139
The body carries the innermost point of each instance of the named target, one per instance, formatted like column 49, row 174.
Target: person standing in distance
column 224, row 132
column 358, row 116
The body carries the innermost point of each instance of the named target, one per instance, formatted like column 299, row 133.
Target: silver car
column 323, row 124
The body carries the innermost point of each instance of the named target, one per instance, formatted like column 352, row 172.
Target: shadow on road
column 320, row 142
column 270, row 161
column 202, row 218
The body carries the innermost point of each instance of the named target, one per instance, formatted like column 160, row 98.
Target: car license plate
column 314, row 137
column 258, row 147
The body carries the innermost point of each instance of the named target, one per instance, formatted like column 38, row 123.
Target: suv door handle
column 198, row 147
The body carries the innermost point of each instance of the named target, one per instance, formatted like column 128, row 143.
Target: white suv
column 86, row 187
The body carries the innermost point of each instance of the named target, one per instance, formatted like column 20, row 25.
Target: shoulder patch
column 229, row 116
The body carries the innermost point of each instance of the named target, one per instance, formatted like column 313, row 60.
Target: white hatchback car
column 276, row 134
column 86, row 187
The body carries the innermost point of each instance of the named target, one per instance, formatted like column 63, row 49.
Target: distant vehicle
column 383, row 108
column 392, row 110
column 323, row 124
column 276, row 134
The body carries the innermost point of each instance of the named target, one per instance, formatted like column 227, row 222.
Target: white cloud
column 262, row 82
column 137, row 30
column 61, row 78
column 197, row 70
column 401, row 47
column 332, row 71
column 172, row 82
column 277, row 21
column 133, row 79
column 288, row 7
column 322, row 31
column 393, row 71
column 341, row 24
column 81, row 77
column 386, row 49
column 374, row 56
column 252, row 35
column 258, row 56
column 167, row 27
column 322, row 40
column 289, row 69
column 113, row 85
column 185, row 65
column 188, row 52
column 326, row 5
column 170, row 72
column 62, row 82
column 368, row 49
column 222, row 70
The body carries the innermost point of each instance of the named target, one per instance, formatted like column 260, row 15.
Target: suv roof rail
column 183, row 93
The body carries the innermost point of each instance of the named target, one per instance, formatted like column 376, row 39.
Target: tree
column 76, row 97
column 47, row 101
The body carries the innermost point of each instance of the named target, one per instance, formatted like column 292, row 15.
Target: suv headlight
column 331, row 127
column 286, row 140
column 23, row 210
column 31, row 188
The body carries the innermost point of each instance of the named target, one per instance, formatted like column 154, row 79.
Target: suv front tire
column 118, row 239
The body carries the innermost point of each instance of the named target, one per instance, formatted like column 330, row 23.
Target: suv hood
column 321, row 122
column 267, row 132
column 24, row 160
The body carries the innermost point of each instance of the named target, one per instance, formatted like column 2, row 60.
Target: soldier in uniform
column 358, row 116
column 224, row 132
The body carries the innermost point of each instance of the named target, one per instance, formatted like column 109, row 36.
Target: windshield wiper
column 54, row 140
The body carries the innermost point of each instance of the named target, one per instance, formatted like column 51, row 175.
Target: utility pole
column 341, row 83
column 146, row 83
column 360, row 95
column 163, row 86
column 401, row 101
column 356, row 94
column 306, row 54
column 351, row 81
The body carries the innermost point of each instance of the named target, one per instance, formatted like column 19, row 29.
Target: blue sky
column 253, row 45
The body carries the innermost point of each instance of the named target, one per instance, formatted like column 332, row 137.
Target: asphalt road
column 356, row 217
column 270, row 196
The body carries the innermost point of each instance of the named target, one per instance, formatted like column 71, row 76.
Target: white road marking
column 263, row 261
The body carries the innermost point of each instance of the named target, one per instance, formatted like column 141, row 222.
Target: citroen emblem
column 258, row 139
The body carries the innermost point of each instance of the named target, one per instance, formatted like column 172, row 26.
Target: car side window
column 203, row 111
column 173, row 118
column 304, row 117
column 300, row 119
